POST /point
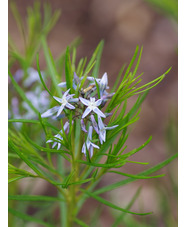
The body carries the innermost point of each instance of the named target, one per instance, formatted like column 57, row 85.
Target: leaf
column 34, row 122
column 18, row 19
column 68, row 72
column 130, row 64
column 37, row 198
column 137, row 64
column 24, row 121
column 111, row 165
column 15, row 179
column 51, row 65
column 25, row 159
column 28, row 218
column 15, row 170
column 136, row 176
column 130, row 153
column 98, row 52
column 109, row 204
column 40, row 76
column 67, row 179
column 80, row 222
column 118, row 78
column 144, row 173
column 96, row 56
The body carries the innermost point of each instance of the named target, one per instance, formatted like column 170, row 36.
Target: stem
column 72, row 188
column 62, row 205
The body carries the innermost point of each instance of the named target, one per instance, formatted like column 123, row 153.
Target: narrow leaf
column 28, row 218
column 111, row 205
column 37, row 198
column 144, row 173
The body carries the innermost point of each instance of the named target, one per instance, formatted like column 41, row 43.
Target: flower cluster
column 87, row 107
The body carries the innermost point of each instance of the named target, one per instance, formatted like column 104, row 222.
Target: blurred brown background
column 123, row 24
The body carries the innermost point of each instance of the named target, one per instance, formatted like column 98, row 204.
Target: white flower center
column 64, row 101
column 92, row 104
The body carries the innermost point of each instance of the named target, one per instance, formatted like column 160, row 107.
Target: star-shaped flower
column 92, row 105
column 102, row 83
column 102, row 130
column 58, row 137
column 88, row 144
column 57, row 141
column 64, row 102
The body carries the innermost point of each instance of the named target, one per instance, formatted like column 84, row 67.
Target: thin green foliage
column 105, row 202
column 75, row 177
column 28, row 218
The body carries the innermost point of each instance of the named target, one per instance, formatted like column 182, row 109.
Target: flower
column 92, row 106
column 64, row 103
column 102, row 130
column 102, row 83
column 88, row 144
column 59, row 137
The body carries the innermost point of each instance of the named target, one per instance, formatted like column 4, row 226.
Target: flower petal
column 100, row 138
column 57, row 99
column 54, row 144
column 84, row 101
column 63, row 84
column 74, row 100
column 102, row 134
column 83, row 126
column 87, row 111
column 98, row 102
column 70, row 106
column 104, row 79
column 69, row 97
column 100, row 123
column 60, row 110
column 50, row 112
column 90, row 78
column 94, row 123
column 111, row 127
column 66, row 93
column 84, row 149
column 98, row 112
column 94, row 145
column 58, row 146
column 76, row 78
column 49, row 141
column 91, row 151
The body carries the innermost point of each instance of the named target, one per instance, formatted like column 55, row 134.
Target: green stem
column 62, row 205
column 72, row 188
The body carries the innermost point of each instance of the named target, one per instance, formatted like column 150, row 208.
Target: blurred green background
column 123, row 24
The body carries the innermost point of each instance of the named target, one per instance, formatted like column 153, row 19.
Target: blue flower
column 92, row 105
column 88, row 145
column 102, row 83
column 102, row 130
column 58, row 137
column 64, row 104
